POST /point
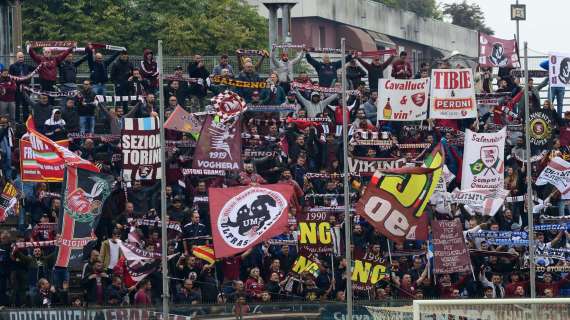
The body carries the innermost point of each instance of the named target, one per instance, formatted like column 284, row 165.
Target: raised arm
column 316, row 64
column 59, row 58
column 364, row 64
column 302, row 99
column 36, row 57
column 273, row 58
column 297, row 58
column 112, row 58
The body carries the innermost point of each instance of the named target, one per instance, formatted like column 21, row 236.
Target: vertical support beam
column 286, row 14
column 272, row 28
column 17, row 26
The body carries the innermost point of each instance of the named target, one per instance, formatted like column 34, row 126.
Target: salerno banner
column 483, row 160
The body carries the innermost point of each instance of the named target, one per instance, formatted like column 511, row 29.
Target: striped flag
column 140, row 143
column 205, row 253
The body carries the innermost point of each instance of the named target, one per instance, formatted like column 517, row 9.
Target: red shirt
column 253, row 287
column 142, row 298
column 48, row 69
column 8, row 87
column 231, row 267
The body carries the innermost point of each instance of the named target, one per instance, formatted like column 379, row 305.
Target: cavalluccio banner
column 395, row 200
column 218, row 149
column 483, row 160
column 403, row 100
column 82, row 202
column 140, row 143
column 367, row 166
column 495, row 52
column 242, row 217
column 452, row 94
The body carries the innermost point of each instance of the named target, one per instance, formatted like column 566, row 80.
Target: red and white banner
column 8, row 201
column 483, row 160
column 557, row 173
column 403, row 100
column 242, row 217
column 452, row 94
column 32, row 170
column 395, row 200
column 496, row 52
column 140, row 144
column 559, row 70
column 450, row 252
column 484, row 201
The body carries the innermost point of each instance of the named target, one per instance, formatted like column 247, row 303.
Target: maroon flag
column 368, row 269
column 450, row 252
column 495, row 52
column 315, row 234
column 82, row 201
column 218, row 149
column 183, row 121
column 242, row 217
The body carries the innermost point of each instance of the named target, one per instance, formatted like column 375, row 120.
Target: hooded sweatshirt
column 314, row 108
column 149, row 68
column 51, row 125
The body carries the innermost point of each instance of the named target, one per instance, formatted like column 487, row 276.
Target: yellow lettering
column 308, row 232
column 361, row 271
column 325, row 233
column 378, row 273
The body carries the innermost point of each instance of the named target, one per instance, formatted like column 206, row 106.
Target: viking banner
column 218, row 149
column 450, row 252
column 452, row 94
column 242, row 217
column 495, row 52
column 367, row 270
column 541, row 126
column 140, row 144
column 483, row 160
column 32, row 170
column 8, row 201
column 367, row 166
column 49, row 156
column 403, row 100
column 315, row 233
column 83, row 197
column 183, row 121
column 557, row 173
column 559, row 70
column 395, row 200
column 484, row 201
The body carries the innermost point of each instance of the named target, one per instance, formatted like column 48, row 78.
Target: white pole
column 531, row 245
column 163, row 216
column 347, row 219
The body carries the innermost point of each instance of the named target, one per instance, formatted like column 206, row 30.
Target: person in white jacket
column 284, row 68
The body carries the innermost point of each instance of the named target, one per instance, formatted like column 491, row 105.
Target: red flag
column 50, row 154
column 183, row 121
column 496, row 52
column 242, row 217
column 395, row 199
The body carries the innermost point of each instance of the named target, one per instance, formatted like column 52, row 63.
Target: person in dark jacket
column 71, row 116
column 149, row 69
column 68, row 72
column 197, row 69
column 48, row 66
column 137, row 85
column 41, row 110
column 46, row 295
column 248, row 74
column 354, row 74
column 95, row 284
column 375, row 70
column 326, row 69
column 121, row 70
column 175, row 90
column 86, row 108
column 98, row 68
column 143, row 109
column 21, row 69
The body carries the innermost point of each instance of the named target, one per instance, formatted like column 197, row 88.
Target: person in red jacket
column 254, row 284
column 48, row 66
column 401, row 68
column 7, row 95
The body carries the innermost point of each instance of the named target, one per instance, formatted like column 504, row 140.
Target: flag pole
column 347, row 220
column 163, row 216
column 531, row 244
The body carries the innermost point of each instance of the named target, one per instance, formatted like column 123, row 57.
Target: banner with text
column 367, row 166
column 140, row 143
column 452, row 94
column 315, row 233
column 367, row 269
column 403, row 100
column 450, row 252
column 557, row 173
column 483, row 201
column 483, row 160
column 559, row 70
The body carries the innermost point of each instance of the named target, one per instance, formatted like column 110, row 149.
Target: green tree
column 467, row 15
column 423, row 8
column 187, row 27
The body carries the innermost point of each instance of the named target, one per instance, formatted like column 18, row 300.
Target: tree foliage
column 186, row 27
column 467, row 15
column 423, row 8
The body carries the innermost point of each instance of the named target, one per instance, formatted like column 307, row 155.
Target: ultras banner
column 557, row 173
column 496, row 52
column 452, row 94
column 242, row 217
column 403, row 100
column 82, row 200
column 218, row 149
column 140, row 143
column 483, row 160
column 395, row 200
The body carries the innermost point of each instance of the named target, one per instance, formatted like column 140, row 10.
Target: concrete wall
column 377, row 17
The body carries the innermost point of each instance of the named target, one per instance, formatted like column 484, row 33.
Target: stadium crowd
column 263, row 273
